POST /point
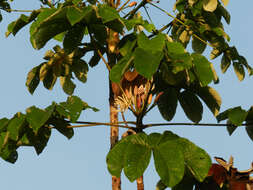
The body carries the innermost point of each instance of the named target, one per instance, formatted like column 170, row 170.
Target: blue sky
column 79, row 163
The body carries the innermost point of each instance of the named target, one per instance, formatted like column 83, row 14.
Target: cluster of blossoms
column 134, row 97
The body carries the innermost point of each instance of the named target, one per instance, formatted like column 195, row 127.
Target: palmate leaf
column 107, row 13
column 155, row 44
column 15, row 126
column 198, row 46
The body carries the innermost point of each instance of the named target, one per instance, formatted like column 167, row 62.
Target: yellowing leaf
column 210, row 5
column 225, row 2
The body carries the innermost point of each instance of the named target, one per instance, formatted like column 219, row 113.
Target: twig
column 131, row 13
column 122, row 7
column 21, row 11
column 181, row 22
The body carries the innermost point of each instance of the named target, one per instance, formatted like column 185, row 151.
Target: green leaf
column 146, row 63
column 99, row 31
column 249, row 129
column 15, row 126
column 3, row 124
column 225, row 14
column 67, row 85
column 115, row 158
column 137, row 156
column 37, row 117
column 155, row 44
column 169, row 162
column 107, row 13
column 127, row 44
column 80, row 69
column 55, row 24
column 22, row 21
column 202, row 68
column 239, row 70
column 71, row 109
column 39, row 140
column 225, row 63
column 231, row 128
column 198, row 46
column 61, row 125
column 191, row 105
column 75, row 14
column 237, row 115
column 73, row 38
column 181, row 62
column 187, row 183
column 33, row 79
column 211, row 98
column 49, row 79
column 210, row 5
column 167, row 103
column 196, row 159
column 8, row 150
column 119, row 69
column 160, row 185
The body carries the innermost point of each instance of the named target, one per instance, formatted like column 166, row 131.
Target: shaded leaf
column 167, row 103
column 80, row 69
column 211, row 98
column 191, row 105
column 231, row 128
column 49, row 78
column 73, row 38
column 198, row 46
column 62, row 126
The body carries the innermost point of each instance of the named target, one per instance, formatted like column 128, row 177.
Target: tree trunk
column 140, row 184
column 114, row 135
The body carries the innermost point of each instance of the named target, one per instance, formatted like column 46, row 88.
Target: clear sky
column 79, row 163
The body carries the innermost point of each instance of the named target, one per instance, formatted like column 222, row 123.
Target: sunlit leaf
column 137, row 157
column 239, row 70
column 210, row 5
column 225, row 63
column 203, row 69
column 15, row 126
column 107, row 13
column 37, row 117
column 146, row 63
column 237, row 115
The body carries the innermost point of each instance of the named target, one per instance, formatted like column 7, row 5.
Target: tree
column 153, row 58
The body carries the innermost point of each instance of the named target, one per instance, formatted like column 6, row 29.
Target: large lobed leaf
column 172, row 155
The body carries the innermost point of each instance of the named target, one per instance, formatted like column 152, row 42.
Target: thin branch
column 148, row 14
column 21, row 11
column 181, row 22
column 102, row 123
column 131, row 13
column 122, row 7
column 97, row 125
column 191, row 124
column 105, row 62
